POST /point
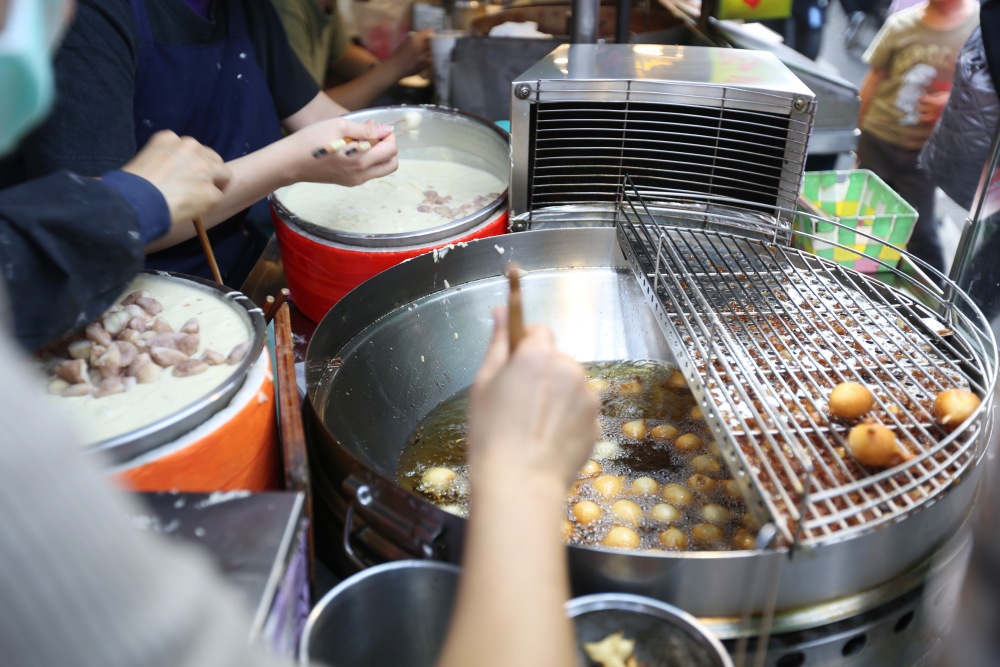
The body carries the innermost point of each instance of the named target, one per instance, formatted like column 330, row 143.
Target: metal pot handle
column 403, row 528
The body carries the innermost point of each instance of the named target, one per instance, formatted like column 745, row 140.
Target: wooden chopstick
column 515, row 309
column 272, row 304
column 293, row 439
column 206, row 246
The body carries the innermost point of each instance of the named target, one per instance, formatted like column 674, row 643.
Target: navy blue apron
column 217, row 94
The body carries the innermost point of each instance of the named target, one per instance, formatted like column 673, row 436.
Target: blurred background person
column 350, row 74
column 911, row 64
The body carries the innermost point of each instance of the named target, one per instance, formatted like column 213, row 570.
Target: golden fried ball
column 706, row 464
column 608, row 486
column 701, row 483
column 587, row 511
column 566, row 530
column 620, row 537
column 646, row 486
column 673, row 539
column 688, row 442
column 597, row 385
column 731, row 488
column 438, row 480
column 635, row 429
column 706, row 533
column 743, row 539
column 676, row 380
column 875, row 445
column 631, row 387
column 715, row 514
column 954, row 406
column 627, row 512
column 750, row 522
column 590, row 468
column 677, row 495
column 850, row 400
column 695, row 412
column 664, row 432
column 664, row 513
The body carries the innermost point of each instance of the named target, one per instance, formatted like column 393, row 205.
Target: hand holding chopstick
column 410, row 122
column 515, row 309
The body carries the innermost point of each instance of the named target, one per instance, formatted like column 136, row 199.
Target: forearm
column 869, row 87
column 362, row 91
column 510, row 607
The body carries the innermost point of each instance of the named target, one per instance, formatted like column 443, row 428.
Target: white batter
column 403, row 201
column 221, row 329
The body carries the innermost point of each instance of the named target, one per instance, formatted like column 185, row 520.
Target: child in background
column 912, row 60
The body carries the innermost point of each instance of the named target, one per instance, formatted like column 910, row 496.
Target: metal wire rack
column 763, row 332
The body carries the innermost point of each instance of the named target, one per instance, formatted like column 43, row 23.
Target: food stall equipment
column 714, row 122
column 862, row 560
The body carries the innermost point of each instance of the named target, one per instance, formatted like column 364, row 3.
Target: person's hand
column 531, row 412
column 931, row 106
column 190, row 176
column 413, row 55
column 346, row 165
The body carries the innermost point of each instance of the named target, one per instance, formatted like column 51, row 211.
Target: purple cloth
column 200, row 7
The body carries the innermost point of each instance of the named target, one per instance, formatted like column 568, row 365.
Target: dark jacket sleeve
column 61, row 273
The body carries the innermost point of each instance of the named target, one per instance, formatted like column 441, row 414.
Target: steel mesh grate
column 763, row 332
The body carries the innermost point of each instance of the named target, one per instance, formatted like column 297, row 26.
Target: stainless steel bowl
column 392, row 614
column 127, row 446
column 442, row 134
column 664, row 635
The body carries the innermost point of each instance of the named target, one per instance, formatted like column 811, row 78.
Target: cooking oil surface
column 655, row 480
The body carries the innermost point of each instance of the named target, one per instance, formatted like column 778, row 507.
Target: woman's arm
column 290, row 160
column 532, row 422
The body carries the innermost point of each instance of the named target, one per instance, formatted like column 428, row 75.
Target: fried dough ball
column 954, row 406
column 608, row 486
column 627, row 512
column 587, row 511
column 875, row 445
column 731, row 488
column 590, row 468
column 646, row 486
column 850, row 400
column 597, row 385
column 438, row 480
column 664, row 432
column 566, row 529
column 620, row 537
column 677, row 495
column 664, row 513
column 743, row 539
column 706, row 533
column 701, row 483
column 635, row 429
column 676, row 380
column 631, row 387
column 706, row 464
column 688, row 442
column 673, row 539
column 695, row 412
column 715, row 514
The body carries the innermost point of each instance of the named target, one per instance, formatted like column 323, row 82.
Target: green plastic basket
column 857, row 199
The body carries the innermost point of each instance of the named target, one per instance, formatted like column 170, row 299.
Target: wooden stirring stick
column 199, row 227
column 515, row 310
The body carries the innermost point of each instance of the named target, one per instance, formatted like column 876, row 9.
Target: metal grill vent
column 582, row 150
column 702, row 123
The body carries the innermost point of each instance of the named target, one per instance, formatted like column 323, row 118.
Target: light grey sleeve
column 79, row 585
